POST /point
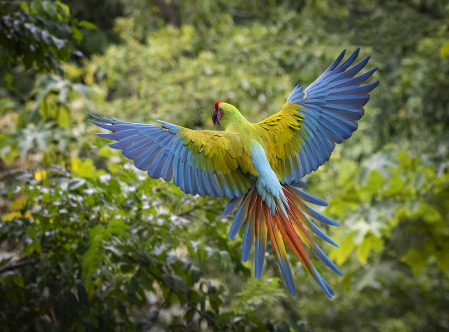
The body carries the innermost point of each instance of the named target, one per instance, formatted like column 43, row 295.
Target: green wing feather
column 302, row 136
column 207, row 163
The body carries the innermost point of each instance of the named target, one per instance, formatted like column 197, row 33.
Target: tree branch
column 17, row 264
column 243, row 13
column 196, row 207
column 170, row 11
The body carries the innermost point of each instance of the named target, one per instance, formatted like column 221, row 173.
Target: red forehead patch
column 216, row 105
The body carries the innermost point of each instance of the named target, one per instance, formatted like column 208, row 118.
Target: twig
column 391, row 241
column 162, row 306
column 243, row 13
column 180, row 295
column 360, row 9
column 196, row 207
column 429, row 231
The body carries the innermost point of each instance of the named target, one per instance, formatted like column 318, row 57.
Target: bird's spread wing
column 208, row 163
column 303, row 134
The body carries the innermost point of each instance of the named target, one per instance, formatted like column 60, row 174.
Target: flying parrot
column 259, row 165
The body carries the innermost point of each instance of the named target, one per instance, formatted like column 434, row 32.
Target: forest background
column 87, row 243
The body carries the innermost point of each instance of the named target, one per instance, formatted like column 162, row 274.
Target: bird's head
column 225, row 114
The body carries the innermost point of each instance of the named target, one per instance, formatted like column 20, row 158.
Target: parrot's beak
column 215, row 117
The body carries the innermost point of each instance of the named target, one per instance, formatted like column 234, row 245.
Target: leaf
column 77, row 34
column 442, row 257
column 19, row 203
column 370, row 242
column 395, row 185
column 85, row 92
column 38, row 8
column 6, row 104
column 50, row 9
column 196, row 274
column 189, row 315
column 375, row 181
column 83, row 167
column 8, row 78
column 87, row 25
column 18, row 280
column 169, row 281
column 64, row 118
column 98, row 230
column 444, row 51
column 404, row 159
column 63, row 7
column 105, row 151
column 60, row 43
column 175, row 282
column 340, row 255
column 429, row 213
column 40, row 175
column 24, row 6
column 76, row 183
column 38, row 247
column 117, row 226
column 215, row 302
column 416, row 260
column 115, row 250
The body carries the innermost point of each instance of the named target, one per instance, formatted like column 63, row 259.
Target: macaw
column 259, row 165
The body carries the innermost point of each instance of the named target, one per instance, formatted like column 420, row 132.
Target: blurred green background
column 87, row 243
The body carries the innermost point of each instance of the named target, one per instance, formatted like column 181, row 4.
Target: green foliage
column 40, row 34
column 392, row 208
column 89, row 243
column 98, row 246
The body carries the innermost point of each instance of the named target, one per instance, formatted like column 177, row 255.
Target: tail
column 288, row 223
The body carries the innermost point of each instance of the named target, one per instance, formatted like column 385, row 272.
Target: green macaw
column 259, row 165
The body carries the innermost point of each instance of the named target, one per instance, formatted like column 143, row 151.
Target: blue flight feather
column 167, row 169
column 350, row 72
column 226, row 188
column 318, row 216
column 113, row 128
column 247, row 240
column 135, row 151
column 205, row 184
column 175, row 170
column 309, row 198
column 323, row 284
column 349, row 100
column 145, row 161
column 156, row 169
column 353, row 81
column 188, row 180
column 110, row 121
column 260, row 250
column 196, row 179
column 352, row 113
column 233, row 203
column 118, row 135
column 240, row 217
column 299, row 184
column 173, row 129
column 215, row 185
column 345, row 65
column 354, row 90
column 322, row 256
column 287, row 273
column 181, row 167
